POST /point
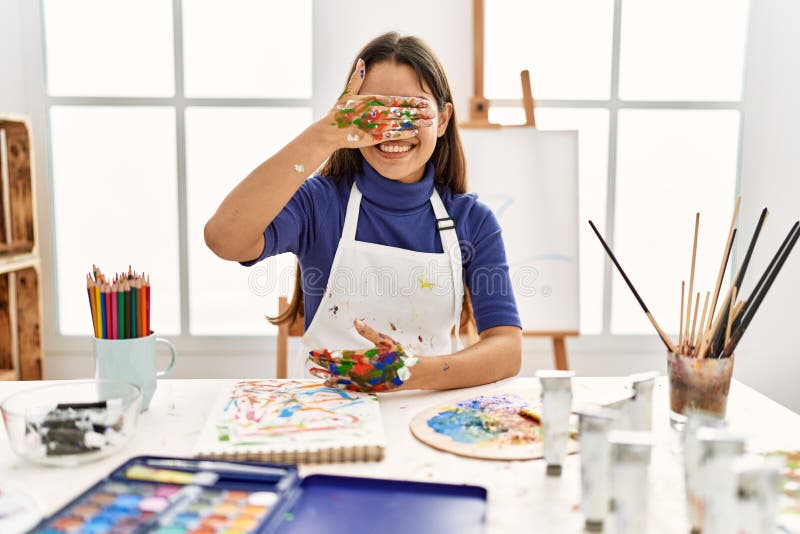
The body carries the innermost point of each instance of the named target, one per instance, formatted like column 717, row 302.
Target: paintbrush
column 751, row 307
column 765, row 274
column 718, row 341
column 691, row 273
column 660, row 332
column 724, row 262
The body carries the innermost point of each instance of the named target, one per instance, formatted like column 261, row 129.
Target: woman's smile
column 395, row 149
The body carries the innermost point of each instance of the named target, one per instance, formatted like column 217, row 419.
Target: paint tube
column 593, row 427
column 641, row 407
column 696, row 419
column 556, row 406
column 718, row 450
column 759, row 482
column 623, row 409
column 630, row 461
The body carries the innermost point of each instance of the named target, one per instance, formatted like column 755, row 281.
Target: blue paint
column 480, row 419
column 321, row 389
column 289, row 410
column 464, row 426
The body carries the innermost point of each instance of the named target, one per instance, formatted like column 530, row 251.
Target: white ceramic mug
column 132, row 360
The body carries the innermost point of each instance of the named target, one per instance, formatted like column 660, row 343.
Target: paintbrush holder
column 697, row 384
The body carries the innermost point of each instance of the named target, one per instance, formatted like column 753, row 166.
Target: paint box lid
column 349, row 504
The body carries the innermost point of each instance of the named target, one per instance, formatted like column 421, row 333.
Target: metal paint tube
column 623, row 407
column 630, row 462
column 594, row 425
column 719, row 448
column 696, row 419
column 759, row 485
column 641, row 408
column 556, row 406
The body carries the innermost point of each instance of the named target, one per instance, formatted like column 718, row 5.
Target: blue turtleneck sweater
column 397, row 215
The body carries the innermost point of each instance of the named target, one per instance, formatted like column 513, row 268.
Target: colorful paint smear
column 490, row 420
column 384, row 118
column 379, row 368
column 280, row 414
column 789, row 515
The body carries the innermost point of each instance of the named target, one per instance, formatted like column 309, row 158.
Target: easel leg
column 560, row 353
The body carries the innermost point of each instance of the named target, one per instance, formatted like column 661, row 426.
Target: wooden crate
column 17, row 212
column 20, row 279
column 20, row 325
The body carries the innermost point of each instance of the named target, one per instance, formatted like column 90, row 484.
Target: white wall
column 769, row 356
column 12, row 83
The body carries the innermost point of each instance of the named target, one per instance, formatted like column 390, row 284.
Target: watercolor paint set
column 161, row 495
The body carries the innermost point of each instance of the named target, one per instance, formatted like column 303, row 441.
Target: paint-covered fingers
column 399, row 113
column 356, row 79
column 396, row 101
column 381, row 340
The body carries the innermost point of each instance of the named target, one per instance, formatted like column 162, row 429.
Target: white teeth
column 394, row 148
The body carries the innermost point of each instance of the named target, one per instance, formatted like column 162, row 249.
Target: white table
column 521, row 497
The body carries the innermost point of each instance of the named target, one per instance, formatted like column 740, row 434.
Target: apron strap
column 451, row 247
column 351, row 216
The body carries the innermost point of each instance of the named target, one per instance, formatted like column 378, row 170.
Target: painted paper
column 266, row 416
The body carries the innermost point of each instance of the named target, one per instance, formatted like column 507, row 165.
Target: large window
column 156, row 110
column 654, row 89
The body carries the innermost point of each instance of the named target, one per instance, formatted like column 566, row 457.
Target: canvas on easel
column 530, row 180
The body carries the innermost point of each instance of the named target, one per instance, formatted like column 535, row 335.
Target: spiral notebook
column 293, row 421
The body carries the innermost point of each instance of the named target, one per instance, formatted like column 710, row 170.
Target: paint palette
column 137, row 498
column 121, row 508
column 158, row 495
column 501, row 426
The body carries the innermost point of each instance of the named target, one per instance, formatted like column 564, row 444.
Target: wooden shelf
column 21, row 356
column 8, row 374
column 18, row 262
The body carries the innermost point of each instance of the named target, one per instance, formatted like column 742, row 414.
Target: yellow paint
column 423, row 284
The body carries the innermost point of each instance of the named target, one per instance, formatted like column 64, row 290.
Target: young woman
column 389, row 244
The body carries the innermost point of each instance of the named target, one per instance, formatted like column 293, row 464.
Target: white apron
column 414, row 297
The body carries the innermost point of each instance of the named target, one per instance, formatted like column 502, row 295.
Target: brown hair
column 447, row 158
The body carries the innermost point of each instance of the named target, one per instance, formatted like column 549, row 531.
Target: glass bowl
column 73, row 422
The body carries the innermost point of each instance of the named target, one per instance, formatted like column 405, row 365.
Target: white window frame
column 613, row 105
column 264, row 346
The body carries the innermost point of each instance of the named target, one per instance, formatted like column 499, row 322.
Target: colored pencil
column 90, row 294
column 120, row 305
column 143, row 301
column 128, row 310
column 103, row 314
column 147, row 309
column 108, row 310
column 99, row 325
column 121, row 311
column 660, row 332
column 134, row 330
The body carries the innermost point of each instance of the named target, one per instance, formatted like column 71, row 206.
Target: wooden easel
column 479, row 118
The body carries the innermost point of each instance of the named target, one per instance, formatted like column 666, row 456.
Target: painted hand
column 380, row 368
column 364, row 120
